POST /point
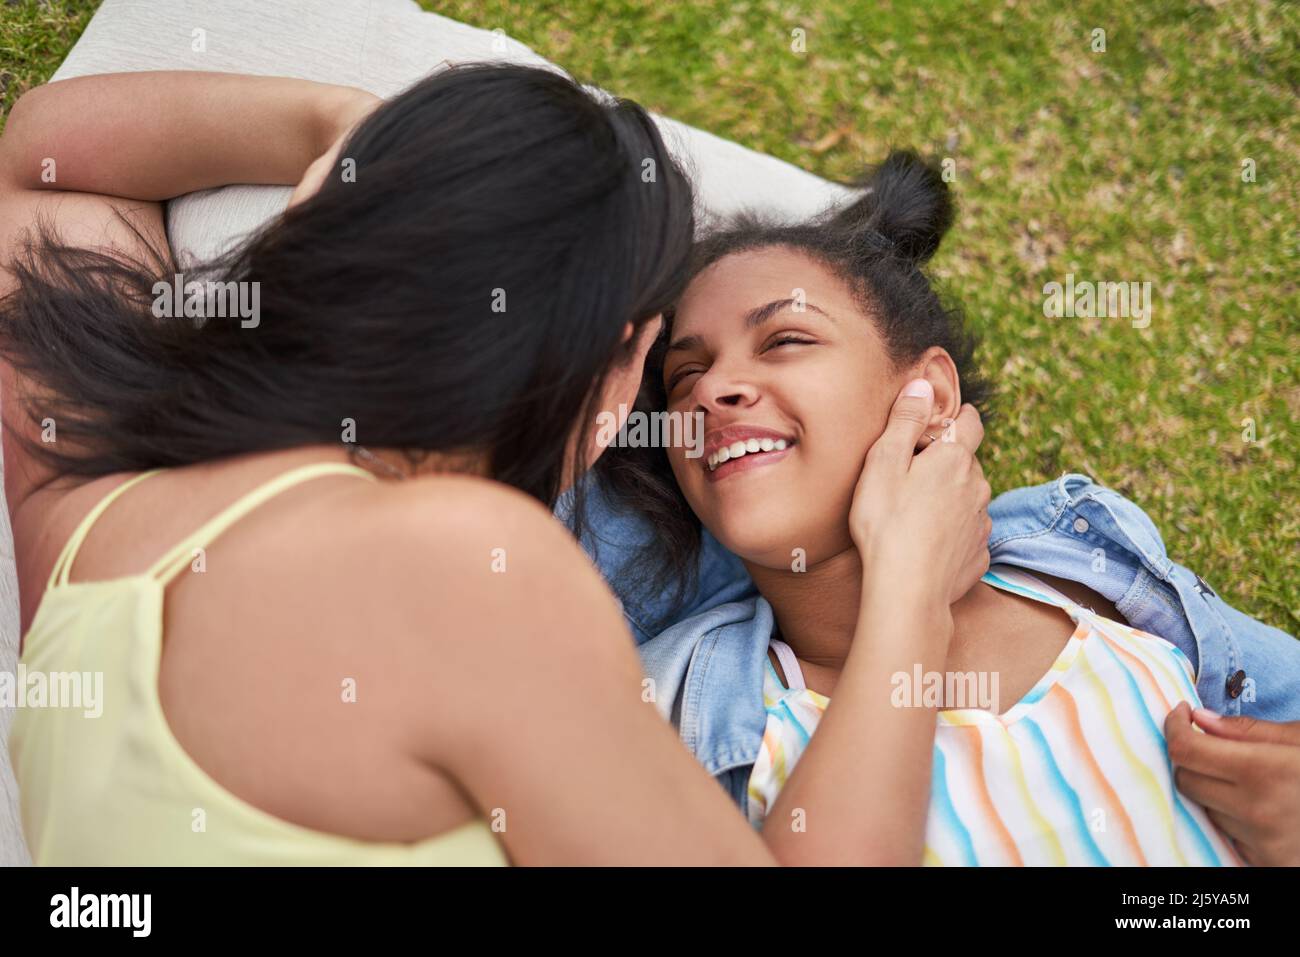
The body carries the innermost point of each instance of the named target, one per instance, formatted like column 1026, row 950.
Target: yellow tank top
column 118, row 788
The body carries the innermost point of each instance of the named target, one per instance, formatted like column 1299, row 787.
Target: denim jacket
column 707, row 664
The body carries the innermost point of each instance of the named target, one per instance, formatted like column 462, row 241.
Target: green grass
column 1122, row 165
column 35, row 36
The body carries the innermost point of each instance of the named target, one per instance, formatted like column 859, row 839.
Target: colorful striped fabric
column 1075, row 773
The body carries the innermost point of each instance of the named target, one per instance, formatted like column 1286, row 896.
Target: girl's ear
column 937, row 368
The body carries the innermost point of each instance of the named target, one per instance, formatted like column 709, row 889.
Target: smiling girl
column 792, row 341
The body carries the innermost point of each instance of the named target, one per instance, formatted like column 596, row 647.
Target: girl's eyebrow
column 754, row 318
column 685, row 344
column 760, row 314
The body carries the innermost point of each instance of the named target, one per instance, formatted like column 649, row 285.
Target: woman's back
column 273, row 706
column 386, row 662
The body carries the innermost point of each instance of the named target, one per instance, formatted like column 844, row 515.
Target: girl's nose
column 718, row 389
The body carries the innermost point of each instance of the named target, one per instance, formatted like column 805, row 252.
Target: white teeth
column 747, row 447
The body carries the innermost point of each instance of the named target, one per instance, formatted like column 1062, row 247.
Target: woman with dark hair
column 792, row 341
column 292, row 508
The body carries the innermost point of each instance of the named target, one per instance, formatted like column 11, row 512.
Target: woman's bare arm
column 157, row 135
column 93, row 157
column 861, row 790
column 860, row 793
column 524, row 687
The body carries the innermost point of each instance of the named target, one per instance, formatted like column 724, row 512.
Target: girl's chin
column 795, row 547
column 768, row 551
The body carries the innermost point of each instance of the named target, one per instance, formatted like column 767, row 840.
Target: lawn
column 1132, row 163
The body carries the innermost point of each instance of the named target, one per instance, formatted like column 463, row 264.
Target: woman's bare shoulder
column 478, row 591
column 459, row 518
column 491, row 558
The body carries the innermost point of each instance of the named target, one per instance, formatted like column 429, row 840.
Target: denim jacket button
column 1235, row 683
column 1080, row 525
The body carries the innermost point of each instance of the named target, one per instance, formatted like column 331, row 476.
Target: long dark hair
column 878, row 245
column 381, row 298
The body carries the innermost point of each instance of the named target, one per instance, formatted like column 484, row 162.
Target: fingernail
column 1206, row 715
column 919, row 389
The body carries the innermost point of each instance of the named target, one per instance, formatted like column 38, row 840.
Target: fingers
column 1234, row 827
column 1241, row 835
column 986, row 491
column 1259, row 842
column 1248, row 854
column 907, row 422
column 1215, row 757
column 1242, row 728
column 967, row 430
column 1222, row 796
column 1229, row 811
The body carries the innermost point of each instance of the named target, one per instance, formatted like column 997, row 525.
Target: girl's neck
column 816, row 610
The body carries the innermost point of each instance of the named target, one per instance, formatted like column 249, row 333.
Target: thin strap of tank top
column 182, row 553
column 789, row 664
column 63, row 564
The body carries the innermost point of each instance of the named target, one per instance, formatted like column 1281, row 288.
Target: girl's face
column 774, row 348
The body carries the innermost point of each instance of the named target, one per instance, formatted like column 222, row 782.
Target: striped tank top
column 1075, row 773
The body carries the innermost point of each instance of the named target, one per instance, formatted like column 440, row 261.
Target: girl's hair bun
column 907, row 208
